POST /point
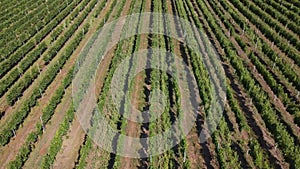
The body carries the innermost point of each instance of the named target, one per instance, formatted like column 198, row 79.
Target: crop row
column 46, row 80
column 225, row 154
column 285, row 11
column 278, row 16
column 289, row 6
column 124, row 49
column 47, row 114
column 6, row 8
column 265, row 48
column 12, row 76
column 258, row 155
column 87, row 145
column 276, row 87
column 12, row 40
column 266, row 29
column 260, row 98
column 57, row 141
column 48, row 111
column 17, row 13
column 161, row 81
column 13, row 59
column 274, row 24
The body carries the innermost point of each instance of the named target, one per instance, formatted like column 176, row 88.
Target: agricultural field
column 43, row 44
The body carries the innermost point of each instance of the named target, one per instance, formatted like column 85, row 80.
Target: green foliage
column 21, row 114
column 13, row 42
column 20, row 87
column 297, row 118
column 83, row 153
column 260, row 99
column 278, row 16
column 68, row 34
column 84, row 150
column 47, row 114
column 241, row 120
column 258, row 155
column 57, row 141
column 9, row 79
column 261, row 20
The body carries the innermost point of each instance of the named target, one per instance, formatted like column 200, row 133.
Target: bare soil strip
column 285, row 116
column 69, row 153
column 71, row 145
column 253, row 117
column 53, row 86
column 41, row 147
column 29, row 123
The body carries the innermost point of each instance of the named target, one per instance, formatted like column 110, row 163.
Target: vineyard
column 43, row 42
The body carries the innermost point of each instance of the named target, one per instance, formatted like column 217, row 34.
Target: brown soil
column 208, row 148
column 30, row 122
column 194, row 148
column 3, row 103
column 280, row 24
column 285, row 116
column 259, row 128
column 96, row 153
column 68, row 156
column 200, row 155
column 261, row 35
column 97, row 158
column 237, row 136
column 41, row 147
column 278, row 76
column 10, row 110
column 69, row 153
column 133, row 129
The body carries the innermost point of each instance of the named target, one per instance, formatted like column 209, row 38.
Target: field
column 258, row 43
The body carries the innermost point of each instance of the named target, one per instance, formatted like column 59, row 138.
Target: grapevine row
column 12, row 76
column 87, row 145
column 241, row 119
column 274, row 37
column 48, row 111
column 277, row 88
column 9, row 6
column 23, row 50
column 283, row 138
column 278, row 16
column 12, row 40
column 265, row 48
column 231, row 158
column 46, row 80
column 15, row 14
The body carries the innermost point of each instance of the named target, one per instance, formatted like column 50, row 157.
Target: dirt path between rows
column 277, row 73
column 194, row 148
column 29, row 123
column 287, row 118
column 254, row 120
column 3, row 103
column 69, row 154
column 261, row 35
column 133, row 129
column 95, row 154
column 41, row 147
column 10, row 110
column 208, row 149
